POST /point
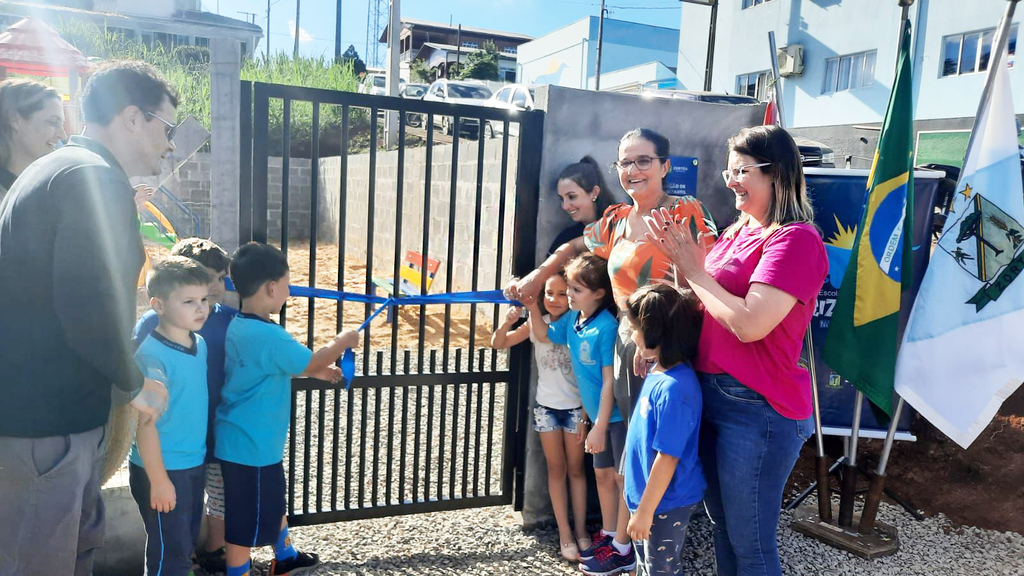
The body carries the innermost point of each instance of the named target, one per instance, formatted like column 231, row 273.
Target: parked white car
column 516, row 97
column 458, row 92
column 374, row 84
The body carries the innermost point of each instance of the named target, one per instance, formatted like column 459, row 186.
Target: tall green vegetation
column 188, row 69
column 482, row 64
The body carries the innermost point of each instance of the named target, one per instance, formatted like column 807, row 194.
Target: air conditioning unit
column 791, row 60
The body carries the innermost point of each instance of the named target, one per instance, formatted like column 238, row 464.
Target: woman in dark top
column 584, row 198
column 31, row 125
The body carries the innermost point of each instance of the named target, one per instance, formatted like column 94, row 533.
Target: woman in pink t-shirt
column 759, row 285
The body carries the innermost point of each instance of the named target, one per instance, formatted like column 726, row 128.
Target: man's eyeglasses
column 642, row 163
column 171, row 128
column 738, row 173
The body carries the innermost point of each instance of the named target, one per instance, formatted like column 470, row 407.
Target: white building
column 848, row 61
column 168, row 23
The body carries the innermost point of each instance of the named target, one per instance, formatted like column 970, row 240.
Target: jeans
column 748, row 451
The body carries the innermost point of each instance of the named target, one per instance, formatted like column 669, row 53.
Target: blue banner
column 838, row 198
column 682, row 179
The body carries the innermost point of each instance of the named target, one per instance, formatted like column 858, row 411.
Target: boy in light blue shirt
column 213, row 258
column 166, row 472
column 251, row 425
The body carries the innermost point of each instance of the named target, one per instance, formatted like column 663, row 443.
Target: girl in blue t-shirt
column 664, row 479
column 589, row 329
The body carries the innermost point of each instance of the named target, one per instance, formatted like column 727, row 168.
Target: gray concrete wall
column 124, row 545
column 226, row 98
column 192, row 185
column 410, row 236
column 578, row 123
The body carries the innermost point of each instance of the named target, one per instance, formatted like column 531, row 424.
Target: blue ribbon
column 348, row 360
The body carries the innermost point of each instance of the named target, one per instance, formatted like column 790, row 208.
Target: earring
column 593, row 199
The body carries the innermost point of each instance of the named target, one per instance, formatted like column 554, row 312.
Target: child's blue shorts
column 253, row 503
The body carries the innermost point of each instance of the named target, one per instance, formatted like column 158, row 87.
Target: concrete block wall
column 410, row 236
column 191, row 184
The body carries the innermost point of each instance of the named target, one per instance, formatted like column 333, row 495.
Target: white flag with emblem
column 961, row 355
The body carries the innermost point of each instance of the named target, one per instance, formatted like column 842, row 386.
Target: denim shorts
column 550, row 419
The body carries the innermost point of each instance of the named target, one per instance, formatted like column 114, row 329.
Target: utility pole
column 458, row 51
column 295, row 51
column 268, row 30
column 391, row 81
column 710, row 61
column 337, row 34
column 600, row 46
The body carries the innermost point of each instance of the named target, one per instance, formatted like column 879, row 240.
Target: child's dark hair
column 203, row 251
column 667, row 317
column 255, row 264
column 591, row 271
column 559, row 274
column 587, row 174
column 173, row 273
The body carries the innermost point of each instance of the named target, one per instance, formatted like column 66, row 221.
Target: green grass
column 187, row 68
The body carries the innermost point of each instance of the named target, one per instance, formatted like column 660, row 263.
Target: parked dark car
column 811, row 153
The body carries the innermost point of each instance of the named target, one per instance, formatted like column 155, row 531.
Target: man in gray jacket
column 70, row 258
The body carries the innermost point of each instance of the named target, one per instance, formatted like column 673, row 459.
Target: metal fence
column 419, row 429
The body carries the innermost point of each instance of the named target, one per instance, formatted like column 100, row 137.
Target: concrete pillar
column 225, row 96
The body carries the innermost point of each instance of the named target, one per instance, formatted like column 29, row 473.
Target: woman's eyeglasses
column 641, row 163
column 171, row 128
column 738, row 173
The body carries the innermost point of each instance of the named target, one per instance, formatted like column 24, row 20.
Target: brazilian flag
column 862, row 337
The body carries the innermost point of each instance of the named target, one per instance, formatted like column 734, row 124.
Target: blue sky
column 533, row 17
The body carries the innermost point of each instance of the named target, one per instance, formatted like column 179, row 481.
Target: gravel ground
column 490, row 541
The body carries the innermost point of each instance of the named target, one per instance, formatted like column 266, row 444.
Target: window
column 510, row 50
column 849, row 72
column 162, row 39
column 181, row 40
column 751, row 3
column 201, row 41
column 509, row 75
column 754, row 84
column 469, row 44
column 126, row 33
column 970, row 52
column 503, row 94
column 519, row 100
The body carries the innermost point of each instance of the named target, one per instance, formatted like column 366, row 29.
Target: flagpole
column 848, row 489
column 776, row 80
column 820, row 460
column 874, row 496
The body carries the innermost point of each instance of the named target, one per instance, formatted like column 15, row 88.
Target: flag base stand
column 883, row 540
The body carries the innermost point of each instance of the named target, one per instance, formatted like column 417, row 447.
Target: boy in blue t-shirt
column 664, row 478
column 209, row 554
column 252, row 418
column 166, row 461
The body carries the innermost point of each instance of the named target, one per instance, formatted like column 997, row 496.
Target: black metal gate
column 419, row 430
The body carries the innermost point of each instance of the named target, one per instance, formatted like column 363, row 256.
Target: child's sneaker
column 607, row 561
column 601, row 540
column 301, row 564
column 212, row 562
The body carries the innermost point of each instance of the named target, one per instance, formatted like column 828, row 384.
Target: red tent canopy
column 31, row 47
